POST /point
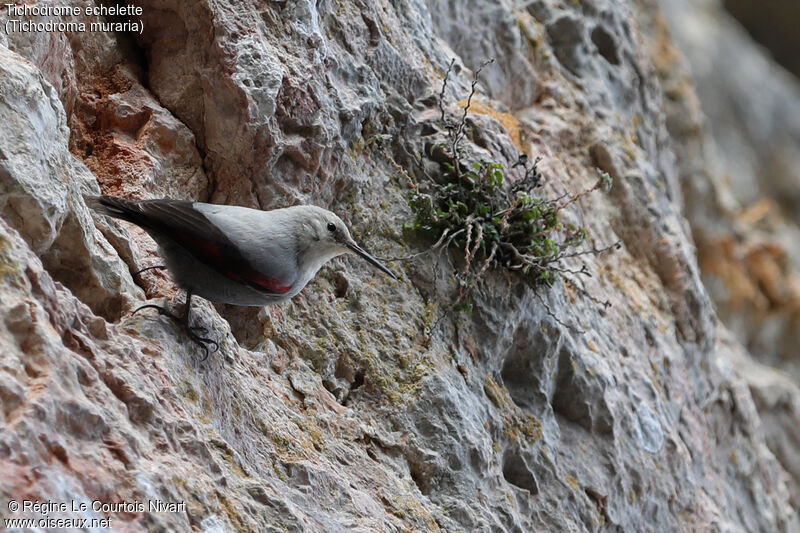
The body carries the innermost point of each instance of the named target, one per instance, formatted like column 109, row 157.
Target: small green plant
column 496, row 225
column 469, row 206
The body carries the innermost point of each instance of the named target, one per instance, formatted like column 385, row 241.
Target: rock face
column 748, row 249
column 348, row 410
column 740, row 179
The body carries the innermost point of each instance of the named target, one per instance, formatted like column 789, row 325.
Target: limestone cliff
column 342, row 411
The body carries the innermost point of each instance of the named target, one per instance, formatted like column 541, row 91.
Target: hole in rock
column 358, row 380
column 606, row 45
column 341, row 285
column 518, row 474
column 418, row 476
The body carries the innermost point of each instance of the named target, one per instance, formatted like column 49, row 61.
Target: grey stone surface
column 752, row 104
column 744, row 163
column 338, row 411
column 42, row 186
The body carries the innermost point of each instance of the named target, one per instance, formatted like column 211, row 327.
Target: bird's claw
column 161, row 311
column 190, row 330
column 202, row 342
column 159, row 267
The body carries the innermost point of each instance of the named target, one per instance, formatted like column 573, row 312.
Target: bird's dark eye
column 331, row 227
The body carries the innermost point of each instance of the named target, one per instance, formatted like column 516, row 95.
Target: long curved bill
column 377, row 264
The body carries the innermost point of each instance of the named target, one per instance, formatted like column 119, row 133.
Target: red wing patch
column 259, row 281
column 240, row 271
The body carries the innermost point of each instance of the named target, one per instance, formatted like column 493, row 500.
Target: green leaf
column 608, row 182
column 498, row 177
column 464, row 308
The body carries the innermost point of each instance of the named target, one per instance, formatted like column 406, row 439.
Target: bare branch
column 398, row 168
column 459, row 131
column 600, row 184
column 444, row 86
column 593, row 251
column 584, row 293
column 488, row 261
column 552, row 315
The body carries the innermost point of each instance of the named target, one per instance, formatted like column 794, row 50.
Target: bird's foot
column 190, row 330
column 202, row 330
column 161, row 311
column 203, row 342
column 159, row 267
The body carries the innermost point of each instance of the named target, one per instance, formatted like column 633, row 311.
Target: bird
column 236, row 255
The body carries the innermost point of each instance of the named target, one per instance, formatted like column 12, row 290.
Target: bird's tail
column 115, row 207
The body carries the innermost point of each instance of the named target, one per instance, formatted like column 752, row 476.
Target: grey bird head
column 323, row 236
